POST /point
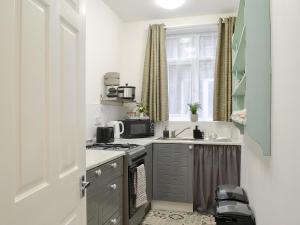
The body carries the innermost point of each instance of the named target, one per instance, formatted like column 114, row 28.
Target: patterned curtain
column 223, row 71
column 155, row 80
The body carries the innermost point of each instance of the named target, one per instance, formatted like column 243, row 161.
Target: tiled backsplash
column 99, row 115
column 222, row 129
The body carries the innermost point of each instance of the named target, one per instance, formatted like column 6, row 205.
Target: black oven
column 138, row 128
column 132, row 169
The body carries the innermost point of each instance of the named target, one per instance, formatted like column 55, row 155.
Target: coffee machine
column 111, row 82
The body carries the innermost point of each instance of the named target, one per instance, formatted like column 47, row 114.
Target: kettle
column 118, row 128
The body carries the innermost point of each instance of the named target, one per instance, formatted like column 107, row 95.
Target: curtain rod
column 190, row 26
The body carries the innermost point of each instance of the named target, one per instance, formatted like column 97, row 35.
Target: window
column 191, row 57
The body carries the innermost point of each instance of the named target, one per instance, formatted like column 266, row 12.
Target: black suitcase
column 234, row 213
column 231, row 193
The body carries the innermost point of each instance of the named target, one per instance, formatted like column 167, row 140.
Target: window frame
column 195, row 61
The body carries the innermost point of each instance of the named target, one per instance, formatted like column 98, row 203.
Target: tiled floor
column 163, row 217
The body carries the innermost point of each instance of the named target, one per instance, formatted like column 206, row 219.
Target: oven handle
column 139, row 157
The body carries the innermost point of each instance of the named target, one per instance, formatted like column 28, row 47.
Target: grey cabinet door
column 105, row 194
column 93, row 201
column 149, row 173
column 173, row 172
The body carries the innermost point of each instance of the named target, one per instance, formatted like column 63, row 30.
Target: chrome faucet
column 174, row 135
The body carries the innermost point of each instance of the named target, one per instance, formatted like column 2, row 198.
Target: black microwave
column 138, row 128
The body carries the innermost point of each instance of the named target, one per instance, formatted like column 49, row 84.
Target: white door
column 42, row 152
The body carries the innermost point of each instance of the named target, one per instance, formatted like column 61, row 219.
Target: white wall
column 135, row 39
column 132, row 64
column 112, row 45
column 273, row 183
column 103, row 54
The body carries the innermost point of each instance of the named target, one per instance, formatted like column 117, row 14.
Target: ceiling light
column 170, row 4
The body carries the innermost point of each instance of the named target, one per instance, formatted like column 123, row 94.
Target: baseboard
column 174, row 206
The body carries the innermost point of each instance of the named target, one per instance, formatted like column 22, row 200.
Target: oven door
column 131, row 183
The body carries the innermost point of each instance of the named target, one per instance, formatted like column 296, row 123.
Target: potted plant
column 194, row 109
column 141, row 108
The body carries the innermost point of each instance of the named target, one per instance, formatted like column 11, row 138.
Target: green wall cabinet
column 252, row 79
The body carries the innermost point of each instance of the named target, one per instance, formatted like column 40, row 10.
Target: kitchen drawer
column 111, row 199
column 107, row 171
column 116, row 219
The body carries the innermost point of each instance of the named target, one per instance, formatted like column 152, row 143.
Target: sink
column 193, row 139
column 180, row 139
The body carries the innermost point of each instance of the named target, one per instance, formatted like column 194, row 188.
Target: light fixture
column 170, row 4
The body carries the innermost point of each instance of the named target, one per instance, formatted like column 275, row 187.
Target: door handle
column 113, row 221
column 84, row 186
column 98, row 172
column 114, row 165
column 113, row 186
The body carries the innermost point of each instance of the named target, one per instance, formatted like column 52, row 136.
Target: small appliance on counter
column 105, row 135
column 126, row 92
column 118, row 128
column 111, row 82
column 138, row 128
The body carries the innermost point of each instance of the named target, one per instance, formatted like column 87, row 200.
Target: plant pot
column 194, row 117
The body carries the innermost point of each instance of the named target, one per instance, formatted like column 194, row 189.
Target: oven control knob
column 98, row 172
column 113, row 221
column 114, row 165
column 113, row 186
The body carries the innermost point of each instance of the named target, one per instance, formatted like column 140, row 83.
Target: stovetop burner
column 110, row 146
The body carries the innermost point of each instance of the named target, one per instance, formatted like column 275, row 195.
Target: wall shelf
column 240, row 88
column 239, row 66
column 115, row 101
column 251, row 71
column 239, row 26
column 239, row 53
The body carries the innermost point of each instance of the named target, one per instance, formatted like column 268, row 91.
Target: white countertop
column 151, row 140
column 96, row 158
column 99, row 157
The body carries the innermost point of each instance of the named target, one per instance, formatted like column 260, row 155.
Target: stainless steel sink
column 192, row 139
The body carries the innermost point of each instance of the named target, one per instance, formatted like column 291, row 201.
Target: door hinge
column 83, row 186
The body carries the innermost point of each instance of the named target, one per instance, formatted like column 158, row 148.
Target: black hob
column 133, row 151
column 112, row 147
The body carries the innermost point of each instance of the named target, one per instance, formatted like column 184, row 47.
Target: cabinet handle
column 190, row 147
column 114, row 165
column 98, row 172
column 113, row 221
column 113, row 186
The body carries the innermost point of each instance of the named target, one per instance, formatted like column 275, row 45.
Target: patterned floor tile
column 164, row 217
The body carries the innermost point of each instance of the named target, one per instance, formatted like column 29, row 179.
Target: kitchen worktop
column 157, row 140
column 99, row 157
column 96, row 158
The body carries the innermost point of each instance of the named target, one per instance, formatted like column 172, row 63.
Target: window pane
column 180, row 81
column 207, row 45
column 186, row 48
column 171, row 46
column 206, row 69
column 191, row 64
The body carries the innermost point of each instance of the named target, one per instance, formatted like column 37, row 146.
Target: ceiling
column 134, row 10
